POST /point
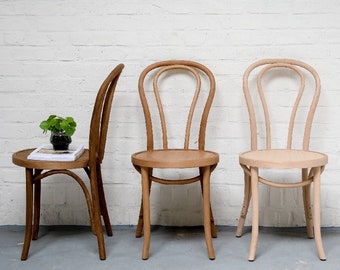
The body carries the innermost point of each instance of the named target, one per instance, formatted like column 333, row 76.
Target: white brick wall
column 55, row 54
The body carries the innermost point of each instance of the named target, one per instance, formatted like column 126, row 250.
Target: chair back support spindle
column 302, row 70
column 101, row 116
column 197, row 71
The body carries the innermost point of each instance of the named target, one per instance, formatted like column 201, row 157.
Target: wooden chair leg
column 99, row 234
column 29, row 213
column 246, row 201
column 102, row 202
column 140, row 224
column 212, row 221
column 146, row 212
column 36, row 212
column 255, row 214
column 317, row 221
column 307, row 205
column 97, row 216
column 206, row 212
column 212, row 224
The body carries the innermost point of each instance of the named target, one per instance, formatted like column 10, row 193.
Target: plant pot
column 60, row 141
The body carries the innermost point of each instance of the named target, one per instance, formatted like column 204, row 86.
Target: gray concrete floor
column 72, row 247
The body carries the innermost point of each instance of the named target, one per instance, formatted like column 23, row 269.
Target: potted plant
column 61, row 130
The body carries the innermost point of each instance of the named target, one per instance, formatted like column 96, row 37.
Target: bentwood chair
column 163, row 80
column 90, row 161
column 300, row 84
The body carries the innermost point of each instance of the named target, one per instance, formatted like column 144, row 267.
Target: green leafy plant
column 57, row 124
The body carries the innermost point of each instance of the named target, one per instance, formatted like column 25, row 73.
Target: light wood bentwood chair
column 90, row 161
column 293, row 156
column 192, row 154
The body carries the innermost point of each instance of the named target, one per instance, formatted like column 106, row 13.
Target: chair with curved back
column 179, row 157
column 90, row 161
column 261, row 76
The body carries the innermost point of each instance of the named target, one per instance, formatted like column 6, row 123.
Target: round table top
column 175, row 158
column 283, row 158
column 20, row 158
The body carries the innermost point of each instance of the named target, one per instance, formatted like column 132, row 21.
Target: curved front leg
column 255, row 213
column 96, row 214
column 212, row 221
column 207, row 211
column 146, row 211
column 317, row 229
column 140, row 224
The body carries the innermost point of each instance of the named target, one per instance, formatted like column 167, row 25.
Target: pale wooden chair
column 187, row 156
column 293, row 155
column 90, row 161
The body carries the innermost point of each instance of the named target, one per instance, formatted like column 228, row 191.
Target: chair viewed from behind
column 272, row 82
column 162, row 80
column 90, row 161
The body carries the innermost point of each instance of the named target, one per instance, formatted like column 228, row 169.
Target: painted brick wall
column 55, row 54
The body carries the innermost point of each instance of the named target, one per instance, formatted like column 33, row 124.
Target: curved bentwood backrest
column 101, row 115
column 157, row 73
column 304, row 73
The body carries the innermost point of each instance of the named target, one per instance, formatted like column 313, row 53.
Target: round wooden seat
column 283, row 158
column 175, row 158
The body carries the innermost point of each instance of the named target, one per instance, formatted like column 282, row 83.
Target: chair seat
column 175, row 158
column 283, row 158
column 20, row 158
